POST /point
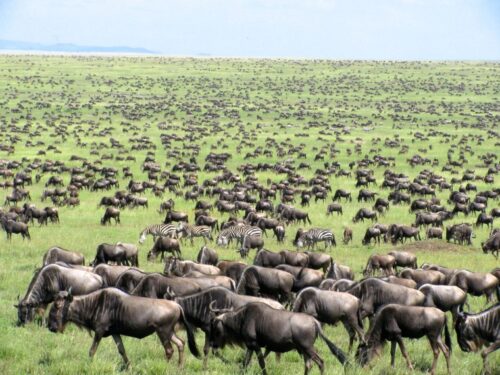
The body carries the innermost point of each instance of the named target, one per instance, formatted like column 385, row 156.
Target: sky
column 335, row 29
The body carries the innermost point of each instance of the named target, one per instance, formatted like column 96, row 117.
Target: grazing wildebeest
column 384, row 263
column 341, row 193
column 492, row 244
column 10, row 226
column 422, row 277
column 58, row 254
column 347, row 235
column 131, row 253
column 266, row 282
column 444, row 297
column 371, row 233
column 207, row 256
column 279, row 232
column 434, row 232
column 477, row 283
column 476, row 330
column 266, row 258
column 334, row 207
column 256, row 326
column 212, row 222
column 330, row 307
column 364, row 213
column 404, row 259
column 250, row 242
column 393, row 322
column 122, row 314
column 111, row 213
column 155, row 285
column 175, row 216
column 195, row 308
column 461, row 233
column 232, row 269
column 164, row 245
column 483, row 219
column 47, row 282
column 375, row 293
column 107, row 252
column 403, row 232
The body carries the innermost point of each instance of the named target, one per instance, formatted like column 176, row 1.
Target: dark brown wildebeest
column 210, row 221
column 111, row 213
column 492, row 244
column 207, row 256
column 266, row 258
column 477, row 283
column 434, row 232
column 364, row 213
column 195, row 308
column 256, row 326
column 403, row 232
column 232, row 269
column 315, row 260
column 107, row 252
column 164, row 245
column 461, row 233
column 347, row 235
column 50, row 280
column 366, row 195
column 250, row 242
column 341, row 285
column 128, row 280
column 178, row 216
column 109, row 274
column 131, row 253
column 122, row 314
column 476, row 330
column 393, row 322
column 422, row 277
column 384, row 263
column 155, row 285
column 483, row 219
column 58, row 254
column 334, row 207
column 330, row 307
column 404, row 259
column 448, row 272
column 375, row 293
column 371, row 233
column 341, row 193
column 444, row 297
column 266, row 282
column 303, row 277
column 10, row 226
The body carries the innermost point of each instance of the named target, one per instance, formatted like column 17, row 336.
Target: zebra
column 158, row 230
column 190, row 231
column 237, row 232
column 311, row 237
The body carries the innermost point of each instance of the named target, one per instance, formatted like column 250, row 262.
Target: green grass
column 273, row 99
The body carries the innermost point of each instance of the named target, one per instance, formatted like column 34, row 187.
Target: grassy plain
column 96, row 98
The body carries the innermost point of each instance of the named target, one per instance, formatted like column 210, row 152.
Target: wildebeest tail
column 447, row 338
column 333, row 348
column 498, row 293
column 308, row 220
column 360, row 319
column 190, row 335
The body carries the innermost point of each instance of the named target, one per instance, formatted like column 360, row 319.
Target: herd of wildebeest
column 273, row 300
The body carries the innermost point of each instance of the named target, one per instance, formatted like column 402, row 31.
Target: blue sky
column 338, row 29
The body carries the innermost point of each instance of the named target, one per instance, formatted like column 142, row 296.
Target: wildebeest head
column 59, row 311
column 219, row 336
column 366, row 352
column 466, row 337
column 25, row 312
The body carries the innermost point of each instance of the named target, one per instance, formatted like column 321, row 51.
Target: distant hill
column 66, row 47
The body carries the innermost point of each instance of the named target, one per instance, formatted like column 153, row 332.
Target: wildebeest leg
column 95, row 344
column 307, row 364
column 180, row 347
column 248, row 357
column 435, row 351
column 490, row 349
column 446, row 352
column 206, row 352
column 121, row 349
column 165, row 337
column 262, row 361
column 405, row 353
column 393, row 352
column 350, row 331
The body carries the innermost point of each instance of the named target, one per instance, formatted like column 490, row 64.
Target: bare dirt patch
column 437, row 246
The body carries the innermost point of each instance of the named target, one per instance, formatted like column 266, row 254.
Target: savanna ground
column 220, row 104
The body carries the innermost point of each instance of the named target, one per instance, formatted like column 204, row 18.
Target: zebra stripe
column 191, row 231
column 158, row 230
column 311, row 237
column 237, row 232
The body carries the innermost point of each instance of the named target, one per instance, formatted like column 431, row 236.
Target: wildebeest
column 393, row 322
column 155, row 285
column 330, row 307
column 207, row 256
column 371, row 233
column 122, row 314
column 492, row 244
column 10, row 226
column 375, row 293
column 175, row 216
column 477, row 330
column 250, row 242
column 384, row 263
column 341, row 193
column 364, row 213
column 477, row 283
column 484, row 218
column 303, row 276
column 111, row 213
column 109, row 253
column 109, row 274
column 257, row 326
column 174, row 266
column 50, row 280
column 434, row 232
column 422, row 277
column 402, row 232
column 334, row 207
column 404, row 259
column 58, row 254
column 347, row 235
column 266, row 282
column 444, row 297
column 131, row 253
column 196, row 308
column 461, row 233
column 164, row 245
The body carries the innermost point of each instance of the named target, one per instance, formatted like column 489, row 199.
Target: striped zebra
column 312, row 236
column 237, row 232
column 190, row 231
column 158, row 230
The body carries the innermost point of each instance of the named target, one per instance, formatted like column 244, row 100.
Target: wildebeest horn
column 69, row 290
column 212, row 308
